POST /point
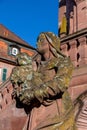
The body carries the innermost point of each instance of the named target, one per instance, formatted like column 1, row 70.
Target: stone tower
column 73, row 35
column 75, row 12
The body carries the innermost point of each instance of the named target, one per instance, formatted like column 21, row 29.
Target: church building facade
column 73, row 35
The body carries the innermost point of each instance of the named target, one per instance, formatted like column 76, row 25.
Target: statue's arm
column 53, row 87
column 59, row 83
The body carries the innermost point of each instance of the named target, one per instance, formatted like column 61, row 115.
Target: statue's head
column 46, row 40
column 42, row 43
column 23, row 59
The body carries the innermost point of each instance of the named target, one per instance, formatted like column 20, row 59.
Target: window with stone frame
column 4, row 74
column 13, row 50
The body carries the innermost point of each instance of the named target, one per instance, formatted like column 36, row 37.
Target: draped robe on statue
column 52, row 108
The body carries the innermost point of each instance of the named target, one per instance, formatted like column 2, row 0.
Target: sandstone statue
column 41, row 83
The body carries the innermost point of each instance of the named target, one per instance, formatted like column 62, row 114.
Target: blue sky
column 27, row 18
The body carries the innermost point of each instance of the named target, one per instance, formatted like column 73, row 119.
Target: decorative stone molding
column 83, row 50
column 73, row 51
column 64, row 49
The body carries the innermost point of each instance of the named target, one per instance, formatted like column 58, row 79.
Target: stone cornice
column 80, row 33
column 5, row 60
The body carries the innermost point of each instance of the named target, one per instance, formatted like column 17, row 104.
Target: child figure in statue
column 24, row 74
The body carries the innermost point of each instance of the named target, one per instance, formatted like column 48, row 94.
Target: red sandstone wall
column 11, row 118
column 6, row 66
column 76, row 49
column 82, row 14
